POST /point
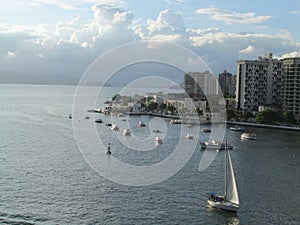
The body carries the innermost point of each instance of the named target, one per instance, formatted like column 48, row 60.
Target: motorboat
column 98, row 121
column 207, row 130
column 230, row 200
column 237, row 129
column 141, row 124
column 157, row 140
column 70, row 116
column 156, row 131
column 87, row 117
column 250, row 136
column 126, row 132
column 215, row 145
column 175, row 121
column 114, row 127
column 189, row 136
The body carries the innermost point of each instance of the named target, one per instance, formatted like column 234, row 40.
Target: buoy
column 108, row 149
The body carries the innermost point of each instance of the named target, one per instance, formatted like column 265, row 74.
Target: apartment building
column 227, row 83
column 258, row 83
column 200, row 84
column 291, row 86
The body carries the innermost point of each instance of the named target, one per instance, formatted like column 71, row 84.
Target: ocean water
column 44, row 178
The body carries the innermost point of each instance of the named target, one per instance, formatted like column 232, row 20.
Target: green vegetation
column 273, row 117
column 268, row 117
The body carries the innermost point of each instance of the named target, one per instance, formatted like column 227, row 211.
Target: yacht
column 126, row 132
column 189, row 136
column 207, row 130
column 141, row 124
column 237, row 128
column 114, row 127
column 216, row 145
column 157, row 140
column 250, row 136
column 156, row 131
column 229, row 201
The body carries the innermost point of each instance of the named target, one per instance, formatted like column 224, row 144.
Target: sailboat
column 230, row 200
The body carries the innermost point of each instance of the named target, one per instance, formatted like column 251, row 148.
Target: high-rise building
column 227, row 82
column 291, row 86
column 200, row 85
column 258, row 83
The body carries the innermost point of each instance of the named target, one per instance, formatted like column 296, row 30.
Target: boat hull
column 228, row 206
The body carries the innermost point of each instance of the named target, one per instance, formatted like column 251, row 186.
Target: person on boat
column 108, row 149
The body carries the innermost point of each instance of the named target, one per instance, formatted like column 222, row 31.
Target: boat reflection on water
column 223, row 217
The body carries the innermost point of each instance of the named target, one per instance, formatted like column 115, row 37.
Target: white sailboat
column 230, row 200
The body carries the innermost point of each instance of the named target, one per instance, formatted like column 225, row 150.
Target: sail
column 232, row 193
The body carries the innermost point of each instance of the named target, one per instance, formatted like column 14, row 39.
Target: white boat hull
column 228, row 206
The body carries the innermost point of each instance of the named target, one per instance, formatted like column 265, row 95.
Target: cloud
column 173, row 2
column 69, row 47
column 231, row 17
column 294, row 12
column 167, row 22
column 11, row 54
column 249, row 49
column 291, row 54
column 71, row 5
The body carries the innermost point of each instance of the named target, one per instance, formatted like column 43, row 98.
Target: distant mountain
column 13, row 77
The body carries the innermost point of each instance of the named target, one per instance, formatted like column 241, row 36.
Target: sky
column 63, row 37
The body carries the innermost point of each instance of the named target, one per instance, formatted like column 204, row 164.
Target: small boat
column 207, row 130
column 141, row 124
column 215, row 145
column 126, row 132
column 98, row 121
column 230, row 200
column 156, row 131
column 237, row 128
column 189, row 136
column 250, row 136
column 87, row 117
column 175, row 121
column 157, row 140
column 70, row 116
column 114, row 127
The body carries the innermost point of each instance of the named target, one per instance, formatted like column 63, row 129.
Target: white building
column 258, row 83
column 200, row 84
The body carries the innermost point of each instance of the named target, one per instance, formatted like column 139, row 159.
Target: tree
column 199, row 111
column 268, row 117
column 152, row 106
column 161, row 107
column 170, row 108
column 288, row 118
column 247, row 115
column 116, row 97
column 230, row 114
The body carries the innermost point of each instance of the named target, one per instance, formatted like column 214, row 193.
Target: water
column 45, row 180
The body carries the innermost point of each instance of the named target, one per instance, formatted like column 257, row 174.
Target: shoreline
column 277, row 127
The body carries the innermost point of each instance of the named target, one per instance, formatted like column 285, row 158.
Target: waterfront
column 45, row 180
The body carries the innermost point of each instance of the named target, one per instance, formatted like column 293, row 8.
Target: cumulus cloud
column 69, row 47
column 291, row 54
column 167, row 22
column 231, row 17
